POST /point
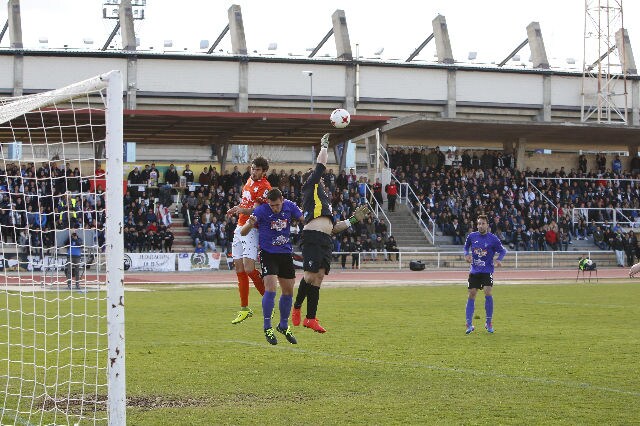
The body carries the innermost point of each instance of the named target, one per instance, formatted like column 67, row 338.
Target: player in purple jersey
column 273, row 221
column 480, row 250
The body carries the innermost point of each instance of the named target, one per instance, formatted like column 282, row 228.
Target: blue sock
column 268, row 302
column 469, row 312
column 488, row 307
column 285, row 310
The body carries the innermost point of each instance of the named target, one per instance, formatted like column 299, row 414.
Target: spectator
column 392, row 247
column 563, row 240
column 458, row 232
column 598, row 238
column 171, row 176
column 392, row 194
column 345, row 248
column 188, row 174
column 210, row 238
column 167, row 239
column 630, row 245
column 204, row 178
column 356, row 249
column 377, row 246
column 616, row 165
column 617, row 244
column 582, row 163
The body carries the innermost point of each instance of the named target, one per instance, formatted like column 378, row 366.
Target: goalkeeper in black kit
column 317, row 244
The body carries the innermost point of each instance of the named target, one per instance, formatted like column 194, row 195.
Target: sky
column 492, row 28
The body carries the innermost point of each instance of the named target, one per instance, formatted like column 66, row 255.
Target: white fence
column 455, row 260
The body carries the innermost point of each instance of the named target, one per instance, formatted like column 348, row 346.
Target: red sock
column 257, row 280
column 243, row 288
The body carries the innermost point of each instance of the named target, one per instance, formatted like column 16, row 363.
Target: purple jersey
column 274, row 228
column 482, row 249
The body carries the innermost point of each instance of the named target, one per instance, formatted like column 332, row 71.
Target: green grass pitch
column 563, row 353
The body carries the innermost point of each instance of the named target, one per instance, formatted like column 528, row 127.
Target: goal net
column 61, row 259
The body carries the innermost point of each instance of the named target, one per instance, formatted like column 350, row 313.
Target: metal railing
column 534, row 260
column 407, row 196
column 615, row 217
column 569, row 180
column 410, row 199
column 376, row 208
column 531, row 185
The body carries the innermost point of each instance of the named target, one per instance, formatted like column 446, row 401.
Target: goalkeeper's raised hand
column 324, row 142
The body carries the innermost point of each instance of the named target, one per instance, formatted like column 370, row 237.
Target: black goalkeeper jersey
column 315, row 201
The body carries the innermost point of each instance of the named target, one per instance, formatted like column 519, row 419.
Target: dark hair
column 261, row 162
column 484, row 217
column 274, row 194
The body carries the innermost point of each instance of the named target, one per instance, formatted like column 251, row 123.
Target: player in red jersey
column 245, row 248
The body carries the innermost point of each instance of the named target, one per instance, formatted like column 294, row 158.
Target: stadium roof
column 175, row 127
column 192, row 127
column 165, row 127
column 590, row 135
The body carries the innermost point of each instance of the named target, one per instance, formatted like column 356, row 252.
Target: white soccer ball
column 340, row 118
column 589, row 262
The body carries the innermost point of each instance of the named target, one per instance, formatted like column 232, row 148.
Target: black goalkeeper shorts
column 316, row 251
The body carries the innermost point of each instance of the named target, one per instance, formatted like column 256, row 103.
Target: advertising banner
column 198, row 261
column 157, row 262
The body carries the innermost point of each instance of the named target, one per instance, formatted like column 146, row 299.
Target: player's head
column 275, row 200
column 483, row 224
column 259, row 167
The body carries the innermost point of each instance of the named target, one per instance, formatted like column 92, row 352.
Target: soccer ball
column 589, row 262
column 340, row 118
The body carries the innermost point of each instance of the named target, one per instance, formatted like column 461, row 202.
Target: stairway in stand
column 182, row 240
column 405, row 229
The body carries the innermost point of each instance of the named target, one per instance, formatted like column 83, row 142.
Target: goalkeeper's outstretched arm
column 359, row 214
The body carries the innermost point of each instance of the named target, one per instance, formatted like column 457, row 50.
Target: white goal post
column 62, row 346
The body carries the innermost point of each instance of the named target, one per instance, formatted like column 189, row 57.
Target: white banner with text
column 198, row 261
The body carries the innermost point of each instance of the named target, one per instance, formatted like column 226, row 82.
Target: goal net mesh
column 53, row 295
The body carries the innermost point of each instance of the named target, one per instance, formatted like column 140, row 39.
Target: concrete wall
column 391, row 86
column 388, row 83
column 497, row 88
column 44, row 73
column 166, row 76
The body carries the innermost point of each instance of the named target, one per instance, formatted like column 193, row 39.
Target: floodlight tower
column 111, row 10
column 604, row 71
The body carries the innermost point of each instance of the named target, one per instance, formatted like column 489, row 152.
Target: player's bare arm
column 359, row 214
column 248, row 225
column 239, row 210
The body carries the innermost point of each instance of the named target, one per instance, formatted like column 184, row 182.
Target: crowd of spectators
column 454, row 188
column 35, row 201
column 204, row 210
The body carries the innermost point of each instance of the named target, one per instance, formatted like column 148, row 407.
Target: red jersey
column 253, row 192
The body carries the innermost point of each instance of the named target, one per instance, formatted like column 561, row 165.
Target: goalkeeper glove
column 324, row 142
column 359, row 214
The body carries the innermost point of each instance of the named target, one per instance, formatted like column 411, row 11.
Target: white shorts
column 245, row 247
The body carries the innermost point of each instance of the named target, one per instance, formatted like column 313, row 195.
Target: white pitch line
column 542, row 380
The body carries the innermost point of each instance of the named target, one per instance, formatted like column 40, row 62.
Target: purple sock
column 285, row 310
column 268, row 302
column 469, row 311
column 488, row 307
